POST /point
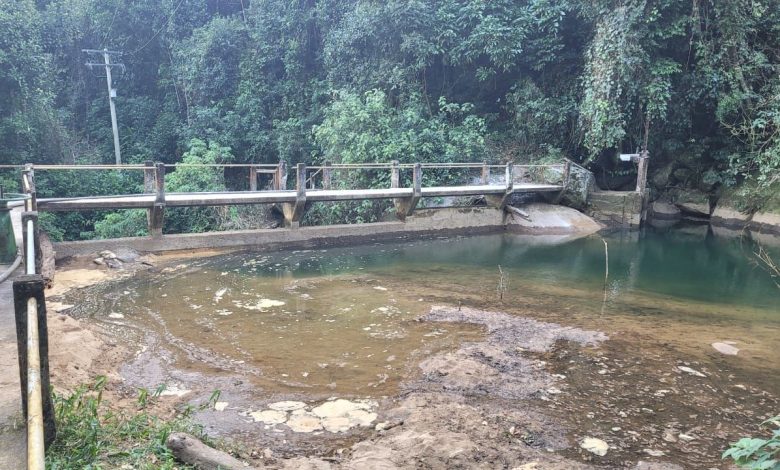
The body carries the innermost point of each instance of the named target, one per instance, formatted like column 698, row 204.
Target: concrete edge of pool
column 448, row 221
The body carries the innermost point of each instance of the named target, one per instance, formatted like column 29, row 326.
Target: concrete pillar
column 25, row 287
column 501, row 201
column 280, row 178
column 157, row 214
column 326, row 176
column 293, row 212
column 252, row 178
column 405, row 206
column 485, row 179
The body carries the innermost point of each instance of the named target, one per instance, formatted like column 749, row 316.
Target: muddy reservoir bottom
column 498, row 351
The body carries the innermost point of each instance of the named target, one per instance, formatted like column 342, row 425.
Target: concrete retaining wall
column 424, row 223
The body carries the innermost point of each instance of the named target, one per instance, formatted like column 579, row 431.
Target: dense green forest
column 355, row 80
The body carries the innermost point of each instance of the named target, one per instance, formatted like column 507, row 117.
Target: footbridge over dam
column 480, row 191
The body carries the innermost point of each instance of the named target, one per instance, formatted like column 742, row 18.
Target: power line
column 167, row 22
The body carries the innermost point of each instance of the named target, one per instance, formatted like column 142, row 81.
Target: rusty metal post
column 158, row 211
column 253, row 178
column 326, row 176
column 32, row 333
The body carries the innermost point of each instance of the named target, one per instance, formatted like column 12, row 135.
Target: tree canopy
column 364, row 80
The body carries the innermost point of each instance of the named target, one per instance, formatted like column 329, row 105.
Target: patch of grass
column 90, row 436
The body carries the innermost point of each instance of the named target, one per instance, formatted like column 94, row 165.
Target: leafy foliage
column 755, row 453
column 89, row 436
column 350, row 80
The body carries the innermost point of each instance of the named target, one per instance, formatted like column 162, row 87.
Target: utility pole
column 111, row 92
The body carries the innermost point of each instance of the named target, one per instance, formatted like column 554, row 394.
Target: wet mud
column 427, row 368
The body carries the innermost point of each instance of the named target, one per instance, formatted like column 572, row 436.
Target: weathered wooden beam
column 24, row 288
column 190, row 450
column 485, row 173
column 157, row 213
column 293, row 212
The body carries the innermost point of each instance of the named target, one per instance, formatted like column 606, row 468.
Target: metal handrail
column 36, row 457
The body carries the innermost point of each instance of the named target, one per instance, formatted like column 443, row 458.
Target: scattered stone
column 380, row 288
column 107, row 254
column 686, row 437
column 287, row 405
column 595, row 446
column 690, row 371
column 270, row 417
column 115, row 315
column 654, row 453
column 174, row 391
column 725, row 348
column 220, row 405
column 528, row 466
column 99, row 261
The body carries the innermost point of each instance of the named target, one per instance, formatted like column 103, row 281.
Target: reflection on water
column 343, row 319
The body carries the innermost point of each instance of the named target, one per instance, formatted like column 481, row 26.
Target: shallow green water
column 341, row 320
column 694, row 266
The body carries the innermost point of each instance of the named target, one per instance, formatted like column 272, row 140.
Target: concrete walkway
column 13, row 442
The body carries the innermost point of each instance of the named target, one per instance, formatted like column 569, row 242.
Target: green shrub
column 754, row 453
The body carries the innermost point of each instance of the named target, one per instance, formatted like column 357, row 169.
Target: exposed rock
column 107, row 254
column 661, row 177
column 304, row 422
column 664, row 210
column 269, row 416
column 287, row 405
column 595, row 446
column 726, row 348
column 220, row 405
column 552, row 219
column 99, row 261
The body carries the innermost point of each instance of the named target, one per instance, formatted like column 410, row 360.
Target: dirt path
column 13, row 442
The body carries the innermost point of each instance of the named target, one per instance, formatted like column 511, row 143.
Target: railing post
column 485, row 173
column 293, row 212
column 500, row 201
column 28, row 186
column 405, row 206
column 30, row 311
column 326, row 176
column 148, row 177
column 395, row 175
column 253, row 178
column 157, row 214
column 566, row 174
column 280, row 179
